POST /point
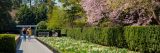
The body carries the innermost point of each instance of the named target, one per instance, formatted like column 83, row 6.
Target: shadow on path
column 31, row 46
column 19, row 51
column 18, row 46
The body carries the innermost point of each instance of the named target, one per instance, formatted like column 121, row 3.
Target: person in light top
column 29, row 33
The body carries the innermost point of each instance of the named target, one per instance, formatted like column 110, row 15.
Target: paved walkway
column 32, row 46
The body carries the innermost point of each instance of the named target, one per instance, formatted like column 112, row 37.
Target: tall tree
column 74, row 12
column 56, row 18
column 25, row 16
column 122, row 12
column 6, row 21
column 94, row 9
column 33, row 15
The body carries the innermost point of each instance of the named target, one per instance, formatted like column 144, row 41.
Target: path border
column 17, row 39
column 48, row 46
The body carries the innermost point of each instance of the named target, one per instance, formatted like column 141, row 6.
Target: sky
column 58, row 3
column 33, row 2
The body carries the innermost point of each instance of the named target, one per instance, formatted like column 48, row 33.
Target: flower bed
column 69, row 45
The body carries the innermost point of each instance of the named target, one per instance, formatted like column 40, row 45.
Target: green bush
column 7, row 43
column 42, row 25
column 64, row 31
column 137, row 38
column 112, row 36
column 74, row 33
column 144, row 39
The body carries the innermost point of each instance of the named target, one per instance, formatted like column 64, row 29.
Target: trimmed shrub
column 42, row 25
column 144, row 39
column 74, row 33
column 64, row 32
column 89, row 34
column 7, row 43
column 137, row 38
column 112, row 36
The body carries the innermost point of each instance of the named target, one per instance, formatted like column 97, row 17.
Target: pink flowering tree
column 94, row 9
column 123, row 12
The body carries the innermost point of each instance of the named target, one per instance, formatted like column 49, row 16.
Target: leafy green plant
column 7, row 43
column 112, row 36
column 42, row 25
column 31, row 15
column 56, row 18
column 144, row 39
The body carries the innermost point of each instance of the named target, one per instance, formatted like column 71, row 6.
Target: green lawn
column 69, row 45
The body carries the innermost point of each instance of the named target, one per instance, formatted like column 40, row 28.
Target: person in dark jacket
column 24, row 30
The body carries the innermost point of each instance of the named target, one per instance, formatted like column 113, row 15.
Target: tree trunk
column 30, row 2
column 155, row 17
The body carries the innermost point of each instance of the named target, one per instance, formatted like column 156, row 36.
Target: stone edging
column 17, row 39
column 49, row 47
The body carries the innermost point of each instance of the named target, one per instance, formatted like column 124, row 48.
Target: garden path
column 32, row 46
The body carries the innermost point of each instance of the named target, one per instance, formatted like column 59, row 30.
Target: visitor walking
column 24, row 33
column 29, row 31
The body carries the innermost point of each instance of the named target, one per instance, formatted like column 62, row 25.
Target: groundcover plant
column 69, row 45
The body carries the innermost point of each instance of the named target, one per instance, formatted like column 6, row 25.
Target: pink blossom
column 94, row 9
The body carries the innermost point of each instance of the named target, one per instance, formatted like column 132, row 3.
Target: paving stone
column 31, row 46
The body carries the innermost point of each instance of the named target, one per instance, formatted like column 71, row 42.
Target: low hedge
column 7, row 43
column 144, row 39
column 64, row 32
column 74, row 33
column 112, row 36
